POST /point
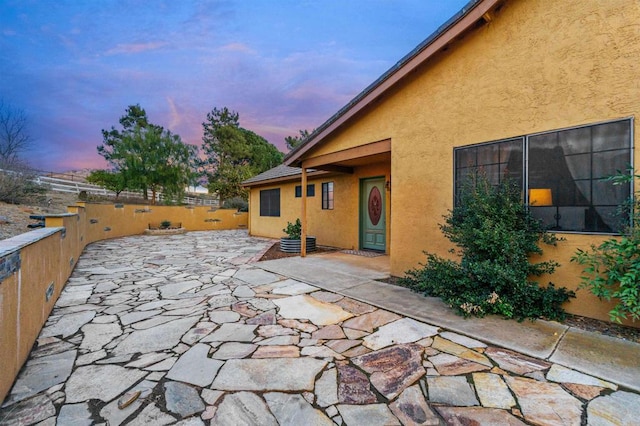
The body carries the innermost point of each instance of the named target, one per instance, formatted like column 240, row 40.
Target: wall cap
column 13, row 244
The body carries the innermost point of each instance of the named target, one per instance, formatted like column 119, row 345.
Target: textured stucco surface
column 537, row 66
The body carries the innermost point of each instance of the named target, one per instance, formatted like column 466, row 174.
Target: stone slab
column 75, row 415
column 182, row 399
column 243, row 409
column 493, row 391
column 370, row 415
column 152, row 415
column 27, row 412
column 103, row 382
column 560, row 374
column 411, row 408
column 291, row 287
column 370, row 321
column 42, row 373
column 619, row 408
column 195, row 367
column 98, row 335
column 277, row 374
column 392, row 369
column 255, row 277
column 462, row 340
column 405, row 330
column 68, row 325
column 478, row 416
column 232, row 332
column 220, row 317
column 115, row 416
column 326, row 389
column 231, row 350
column 293, row 409
column 354, row 386
column 451, row 390
column 160, row 337
column 545, row 403
column 515, row 362
column 306, row 307
column 605, row 357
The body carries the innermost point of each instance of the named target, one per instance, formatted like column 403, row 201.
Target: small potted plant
column 292, row 243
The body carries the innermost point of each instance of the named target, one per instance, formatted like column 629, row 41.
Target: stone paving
column 188, row 330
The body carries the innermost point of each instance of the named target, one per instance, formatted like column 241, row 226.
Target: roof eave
column 283, row 179
column 466, row 18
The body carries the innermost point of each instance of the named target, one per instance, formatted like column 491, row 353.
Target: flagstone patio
column 190, row 330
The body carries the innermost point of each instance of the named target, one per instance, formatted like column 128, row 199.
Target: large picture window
column 327, row 195
column 270, row 202
column 561, row 173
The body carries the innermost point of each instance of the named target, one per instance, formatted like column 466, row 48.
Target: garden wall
column 35, row 266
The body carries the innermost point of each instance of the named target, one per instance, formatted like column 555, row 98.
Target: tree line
column 146, row 157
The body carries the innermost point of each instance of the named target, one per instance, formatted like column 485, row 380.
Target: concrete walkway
column 190, row 330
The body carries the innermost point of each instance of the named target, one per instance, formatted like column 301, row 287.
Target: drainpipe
column 303, row 212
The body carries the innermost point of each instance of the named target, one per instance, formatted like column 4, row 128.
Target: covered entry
column 356, row 178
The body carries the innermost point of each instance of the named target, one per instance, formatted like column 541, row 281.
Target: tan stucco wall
column 538, row 65
column 43, row 258
column 335, row 228
column 272, row 226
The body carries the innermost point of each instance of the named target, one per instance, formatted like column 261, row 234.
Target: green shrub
column 293, row 230
column 612, row 269
column 165, row 224
column 495, row 235
column 238, row 203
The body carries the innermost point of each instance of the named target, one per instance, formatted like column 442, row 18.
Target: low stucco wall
column 35, row 266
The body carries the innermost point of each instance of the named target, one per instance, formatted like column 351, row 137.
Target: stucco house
column 544, row 91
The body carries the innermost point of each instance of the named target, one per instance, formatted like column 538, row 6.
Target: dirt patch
column 275, row 253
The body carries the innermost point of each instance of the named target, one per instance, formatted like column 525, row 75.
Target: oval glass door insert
column 375, row 206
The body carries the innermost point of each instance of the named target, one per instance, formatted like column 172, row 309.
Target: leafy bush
column 293, row 230
column 238, row 203
column 612, row 269
column 165, row 224
column 496, row 235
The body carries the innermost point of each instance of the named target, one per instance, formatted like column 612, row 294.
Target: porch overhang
column 343, row 161
column 346, row 160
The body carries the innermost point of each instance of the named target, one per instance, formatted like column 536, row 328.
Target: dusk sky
column 74, row 66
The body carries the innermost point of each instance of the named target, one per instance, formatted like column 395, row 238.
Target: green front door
column 373, row 229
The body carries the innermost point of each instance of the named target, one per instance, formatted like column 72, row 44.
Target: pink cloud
column 135, row 48
column 237, row 47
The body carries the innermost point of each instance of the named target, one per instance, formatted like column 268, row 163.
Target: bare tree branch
column 14, row 139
